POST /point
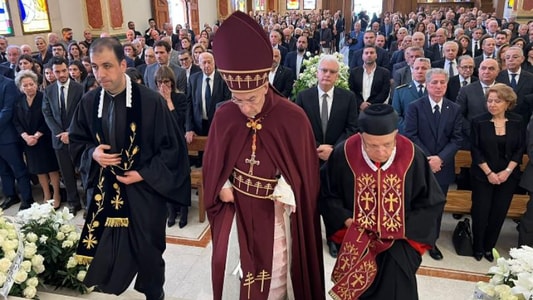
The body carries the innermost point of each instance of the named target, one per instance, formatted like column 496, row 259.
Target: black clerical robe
column 395, row 208
column 123, row 252
column 285, row 146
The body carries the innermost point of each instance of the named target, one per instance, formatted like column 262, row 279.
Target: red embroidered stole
column 378, row 217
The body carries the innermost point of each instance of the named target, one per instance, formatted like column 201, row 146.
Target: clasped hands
column 113, row 159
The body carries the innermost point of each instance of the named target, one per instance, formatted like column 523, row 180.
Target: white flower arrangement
column 308, row 78
column 511, row 279
column 19, row 262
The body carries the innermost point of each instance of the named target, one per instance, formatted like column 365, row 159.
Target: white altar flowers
column 511, row 279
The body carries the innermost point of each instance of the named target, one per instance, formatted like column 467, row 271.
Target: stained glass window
column 6, row 25
column 34, row 16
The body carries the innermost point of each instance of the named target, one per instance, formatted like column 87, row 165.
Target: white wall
column 207, row 10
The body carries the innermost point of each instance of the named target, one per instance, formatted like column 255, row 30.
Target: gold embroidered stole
column 378, row 218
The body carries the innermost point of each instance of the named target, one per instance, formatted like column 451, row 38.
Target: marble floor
column 188, row 257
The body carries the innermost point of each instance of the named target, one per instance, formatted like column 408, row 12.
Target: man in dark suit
column 326, row 37
column 162, row 55
column 405, row 94
column 434, row 124
column 206, row 89
column 338, row 28
column 525, row 228
column 11, row 162
column 449, row 62
column 488, row 46
column 370, row 40
column 360, row 77
column 471, row 98
column 437, row 49
column 332, row 112
column 13, row 54
column 294, row 59
column 475, row 43
column 402, row 75
column 466, row 69
column 275, row 42
column 3, row 47
column 59, row 103
column 187, row 64
column 289, row 41
column 280, row 77
column 518, row 79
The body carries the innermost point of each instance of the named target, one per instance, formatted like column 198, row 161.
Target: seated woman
column 77, row 71
column 497, row 139
column 177, row 104
column 30, row 124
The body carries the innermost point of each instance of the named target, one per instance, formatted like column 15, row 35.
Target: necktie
column 436, row 114
column 485, row 90
column 3, row 56
column 420, row 90
column 63, row 107
column 476, row 48
column 324, row 114
column 513, row 81
column 450, row 69
column 465, row 82
column 207, row 92
column 440, row 51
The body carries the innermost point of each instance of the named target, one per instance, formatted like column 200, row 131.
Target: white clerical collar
column 128, row 96
column 372, row 165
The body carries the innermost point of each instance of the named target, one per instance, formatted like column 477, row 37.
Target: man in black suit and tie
column 13, row 54
column 59, row 103
column 370, row 83
column 294, row 59
column 187, row 64
column 449, row 63
column 437, row 49
column 471, row 98
column 369, row 39
column 289, row 41
column 206, row 89
column 326, row 37
column 519, row 80
column 488, row 47
column 433, row 123
column 466, row 69
column 332, row 112
column 403, row 74
column 275, row 42
column 279, row 76
column 3, row 47
column 475, row 43
column 338, row 27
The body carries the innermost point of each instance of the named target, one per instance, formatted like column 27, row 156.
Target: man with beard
column 294, row 59
column 280, row 77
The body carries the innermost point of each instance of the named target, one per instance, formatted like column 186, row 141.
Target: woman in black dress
column 30, row 124
column 177, row 103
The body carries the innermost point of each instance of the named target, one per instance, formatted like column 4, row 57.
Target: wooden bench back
column 197, row 145
column 463, row 159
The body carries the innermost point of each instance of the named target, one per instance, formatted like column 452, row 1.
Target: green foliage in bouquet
column 308, row 78
column 56, row 240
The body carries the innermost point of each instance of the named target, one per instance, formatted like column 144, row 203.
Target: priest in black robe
column 132, row 158
column 384, row 202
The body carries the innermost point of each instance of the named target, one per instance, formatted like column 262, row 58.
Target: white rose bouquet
column 511, row 279
column 51, row 235
column 308, row 78
column 19, row 262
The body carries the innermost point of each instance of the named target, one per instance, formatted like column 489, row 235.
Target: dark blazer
column 8, row 96
column 179, row 72
column 291, row 45
column 382, row 60
column 443, row 140
column 401, row 76
column 454, row 86
column 485, row 147
column 527, row 177
column 380, row 85
column 342, row 121
column 220, row 93
column 523, row 88
column 7, row 72
column 283, row 81
column 397, row 57
column 52, row 112
column 290, row 62
column 30, row 119
column 44, row 60
column 326, row 35
column 283, row 52
column 472, row 101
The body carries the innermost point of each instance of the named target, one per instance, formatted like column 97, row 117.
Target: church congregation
column 372, row 161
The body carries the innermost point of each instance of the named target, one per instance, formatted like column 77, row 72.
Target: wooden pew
column 459, row 201
column 197, row 145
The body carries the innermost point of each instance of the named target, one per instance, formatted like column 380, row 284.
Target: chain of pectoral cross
column 255, row 126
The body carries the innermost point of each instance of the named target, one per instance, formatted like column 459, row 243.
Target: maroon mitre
column 243, row 53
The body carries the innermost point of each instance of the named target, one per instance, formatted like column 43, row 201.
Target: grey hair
column 25, row 74
column 329, row 58
column 433, row 71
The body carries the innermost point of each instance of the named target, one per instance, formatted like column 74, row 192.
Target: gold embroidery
column 117, row 201
column 90, row 241
column 248, row 281
column 262, row 277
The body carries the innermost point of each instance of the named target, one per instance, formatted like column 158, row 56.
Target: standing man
column 206, row 90
column 59, row 103
column 374, row 175
column 326, row 37
column 12, row 165
column 13, row 54
column 279, row 76
column 449, row 63
column 332, row 112
column 294, row 59
column 369, row 39
column 162, row 55
column 370, row 83
column 434, row 124
column 3, row 48
column 465, row 66
column 127, row 147
column 248, row 143
column 403, row 74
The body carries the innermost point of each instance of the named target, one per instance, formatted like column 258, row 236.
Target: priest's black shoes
column 478, row 256
column 435, row 253
column 73, row 209
column 333, row 250
column 488, row 255
column 10, row 201
column 171, row 217
column 26, row 204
